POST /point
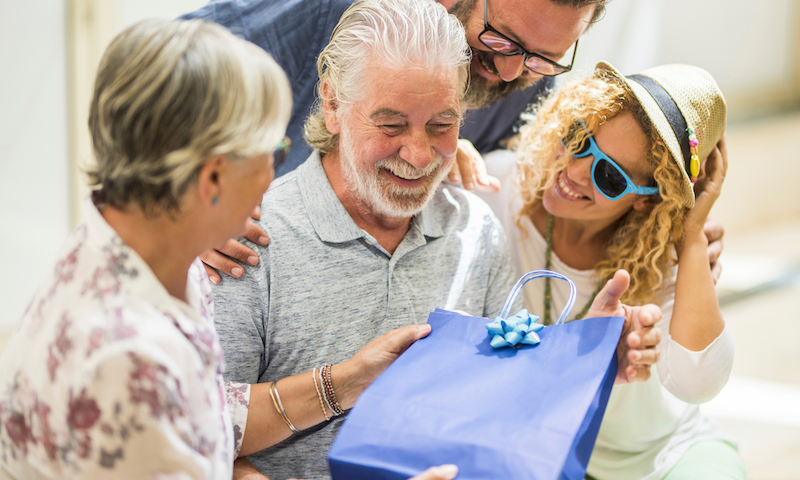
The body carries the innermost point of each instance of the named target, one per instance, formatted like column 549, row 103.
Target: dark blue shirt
column 294, row 32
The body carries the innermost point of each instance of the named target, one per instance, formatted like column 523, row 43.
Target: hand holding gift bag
column 531, row 412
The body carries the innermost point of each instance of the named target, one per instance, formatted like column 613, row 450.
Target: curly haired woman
column 605, row 179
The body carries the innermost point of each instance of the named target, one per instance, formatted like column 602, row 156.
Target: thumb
column 402, row 338
column 609, row 297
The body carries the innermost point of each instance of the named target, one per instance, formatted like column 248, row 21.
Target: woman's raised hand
column 707, row 188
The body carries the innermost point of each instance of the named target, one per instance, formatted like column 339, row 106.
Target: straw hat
column 678, row 98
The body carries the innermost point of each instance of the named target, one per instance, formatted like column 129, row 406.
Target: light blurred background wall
column 49, row 54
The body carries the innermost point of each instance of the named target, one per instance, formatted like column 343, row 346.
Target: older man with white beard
column 364, row 238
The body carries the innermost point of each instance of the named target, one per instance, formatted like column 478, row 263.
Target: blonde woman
column 605, row 180
column 116, row 369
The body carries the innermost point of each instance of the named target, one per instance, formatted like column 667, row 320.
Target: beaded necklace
column 547, row 263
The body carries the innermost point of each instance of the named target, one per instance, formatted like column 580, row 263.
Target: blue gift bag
column 513, row 413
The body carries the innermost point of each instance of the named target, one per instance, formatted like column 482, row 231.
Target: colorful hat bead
column 694, row 164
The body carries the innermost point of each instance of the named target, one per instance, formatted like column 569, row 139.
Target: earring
column 214, row 200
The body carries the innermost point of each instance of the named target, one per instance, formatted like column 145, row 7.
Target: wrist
column 692, row 240
column 347, row 383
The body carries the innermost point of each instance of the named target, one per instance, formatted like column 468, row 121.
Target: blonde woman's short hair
column 170, row 95
column 396, row 32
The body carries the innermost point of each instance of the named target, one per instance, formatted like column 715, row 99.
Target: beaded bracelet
column 330, row 394
column 324, row 395
column 276, row 400
column 319, row 395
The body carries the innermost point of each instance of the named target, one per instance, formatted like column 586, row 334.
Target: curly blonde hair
column 644, row 241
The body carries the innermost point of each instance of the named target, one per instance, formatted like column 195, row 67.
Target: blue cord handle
column 573, row 293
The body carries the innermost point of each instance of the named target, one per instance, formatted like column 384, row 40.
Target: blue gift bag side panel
column 578, row 459
column 452, row 398
column 386, row 451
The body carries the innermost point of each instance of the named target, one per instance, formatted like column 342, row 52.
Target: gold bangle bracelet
column 276, row 400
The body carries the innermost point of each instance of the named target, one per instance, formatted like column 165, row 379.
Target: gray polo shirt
column 324, row 288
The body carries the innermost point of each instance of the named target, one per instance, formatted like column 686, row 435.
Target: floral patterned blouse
column 109, row 376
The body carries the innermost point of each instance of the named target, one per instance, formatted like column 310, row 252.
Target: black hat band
column 674, row 116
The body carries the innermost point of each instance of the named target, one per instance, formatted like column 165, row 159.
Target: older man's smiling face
column 398, row 142
column 539, row 26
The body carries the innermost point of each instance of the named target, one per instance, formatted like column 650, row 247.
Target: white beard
column 381, row 195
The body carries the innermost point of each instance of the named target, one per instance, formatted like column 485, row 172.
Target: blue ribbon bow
column 521, row 328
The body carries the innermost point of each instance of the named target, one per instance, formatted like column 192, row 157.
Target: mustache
column 403, row 169
column 486, row 59
column 482, row 93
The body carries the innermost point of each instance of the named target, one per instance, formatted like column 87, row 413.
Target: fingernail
column 456, row 179
column 633, row 374
column 252, row 259
column 214, row 280
column 469, row 185
column 237, row 271
column 637, row 356
column 258, row 210
column 450, row 471
column 262, row 240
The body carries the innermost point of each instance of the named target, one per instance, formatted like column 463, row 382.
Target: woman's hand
column 360, row 371
column 300, row 397
column 636, row 351
column 220, row 259
column 471, row 167
column 444, row 472
column 707, row 190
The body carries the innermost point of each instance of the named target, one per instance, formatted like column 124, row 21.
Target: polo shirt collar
column 328, row 216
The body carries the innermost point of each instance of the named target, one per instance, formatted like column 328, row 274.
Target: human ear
column 646, row 202
column 210, row 180
column 330, row 108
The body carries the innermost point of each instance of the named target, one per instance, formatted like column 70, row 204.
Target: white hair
column 397, row 33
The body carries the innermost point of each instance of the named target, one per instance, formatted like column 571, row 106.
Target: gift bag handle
column 573, row 293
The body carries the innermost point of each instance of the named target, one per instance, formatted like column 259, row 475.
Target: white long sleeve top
column 648, row 425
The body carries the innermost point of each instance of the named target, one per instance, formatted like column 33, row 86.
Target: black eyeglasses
column 499, row 43
column 279, row 155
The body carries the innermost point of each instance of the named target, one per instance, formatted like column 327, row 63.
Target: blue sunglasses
column 610, row 180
